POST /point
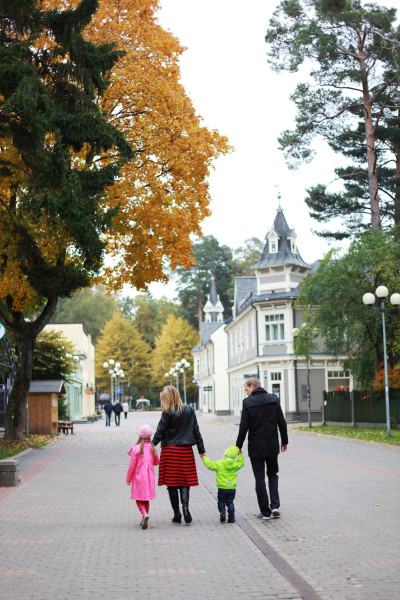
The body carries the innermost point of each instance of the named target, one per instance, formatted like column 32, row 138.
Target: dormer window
column 293, row 246
column 273, row 246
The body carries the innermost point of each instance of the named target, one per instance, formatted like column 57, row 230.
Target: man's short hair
column 253, row 381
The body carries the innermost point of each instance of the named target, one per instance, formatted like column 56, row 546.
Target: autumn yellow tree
column 120, row 340
column 101, row 150
column 162, row 194
column 175, row 342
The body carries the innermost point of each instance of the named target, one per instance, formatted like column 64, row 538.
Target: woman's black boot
column 174, row 499
column 185, row 504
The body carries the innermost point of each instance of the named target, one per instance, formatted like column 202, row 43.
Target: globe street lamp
column 109, row 365
column 368, row 300
column 184, row 365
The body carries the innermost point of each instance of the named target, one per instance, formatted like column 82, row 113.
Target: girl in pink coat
column 141, row 472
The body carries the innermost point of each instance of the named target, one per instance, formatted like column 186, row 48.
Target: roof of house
column 47, row 387
column 207, row 329
column 284, row 256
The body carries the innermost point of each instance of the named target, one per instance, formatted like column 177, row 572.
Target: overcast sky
column 225, row 73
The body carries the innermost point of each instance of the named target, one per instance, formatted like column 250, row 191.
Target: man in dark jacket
column 262, row 416
column 117, row 408
column 108, row 412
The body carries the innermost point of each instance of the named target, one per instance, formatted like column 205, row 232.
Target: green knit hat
column 232, row 451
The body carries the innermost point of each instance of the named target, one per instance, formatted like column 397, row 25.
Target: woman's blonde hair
column 141, row 441
column 170, row 399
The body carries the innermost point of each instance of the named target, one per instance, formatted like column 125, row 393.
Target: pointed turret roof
column 213, row 308
column 285, row 255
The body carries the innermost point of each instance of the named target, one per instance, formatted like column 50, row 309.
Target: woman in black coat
column 178, row 431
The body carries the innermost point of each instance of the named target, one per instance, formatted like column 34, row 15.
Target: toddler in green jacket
column 226, row 469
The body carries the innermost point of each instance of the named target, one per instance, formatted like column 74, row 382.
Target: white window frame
column 274, row 327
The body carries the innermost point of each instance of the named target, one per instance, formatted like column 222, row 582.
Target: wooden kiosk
column 43, row 406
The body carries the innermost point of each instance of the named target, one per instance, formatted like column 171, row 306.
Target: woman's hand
column 202, row 455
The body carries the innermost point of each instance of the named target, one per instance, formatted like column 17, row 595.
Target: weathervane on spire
column 279, row 198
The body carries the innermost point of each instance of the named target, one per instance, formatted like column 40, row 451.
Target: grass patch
column 10, row 448
column 369, row 435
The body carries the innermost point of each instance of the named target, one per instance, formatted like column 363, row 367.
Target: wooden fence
column 361, row 407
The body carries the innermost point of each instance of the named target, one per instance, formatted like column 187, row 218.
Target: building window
column 275, row 376
column 274, row 327
column 273, row 246
column 293, row 246
column 338, row 374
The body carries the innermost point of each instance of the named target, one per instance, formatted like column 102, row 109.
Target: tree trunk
column 18, row 398
column 397, row 186
column 370, row 143
column 25, row 334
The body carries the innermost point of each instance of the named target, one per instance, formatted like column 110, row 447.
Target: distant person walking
column 108, row 410
column 125, row 408
column 117, row 408
column 262, row 416
column 141, row 472
column 178, row 431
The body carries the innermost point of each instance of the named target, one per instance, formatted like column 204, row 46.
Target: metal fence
column 360, row 407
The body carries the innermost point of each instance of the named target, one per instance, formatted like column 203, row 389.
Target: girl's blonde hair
column 170, row 399
column 141, row 441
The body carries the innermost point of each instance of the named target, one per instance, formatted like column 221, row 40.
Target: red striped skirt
column 177, row 467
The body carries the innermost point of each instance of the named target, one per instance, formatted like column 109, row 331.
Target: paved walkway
column 71, row 531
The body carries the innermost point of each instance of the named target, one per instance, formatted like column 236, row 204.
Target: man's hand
column 202, row 455
column 240, row 452
column 284, row 447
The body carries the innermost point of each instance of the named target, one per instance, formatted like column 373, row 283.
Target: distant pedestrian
column 141, row 472
column 125, row 408
column 262, row 416
column 178, row 431
column 226, row 469
column 117, row 408
column 108, row 410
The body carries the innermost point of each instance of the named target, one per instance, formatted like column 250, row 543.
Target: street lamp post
column 368, row 300
column 177, row 366
column 185, row 365
column 108, row 365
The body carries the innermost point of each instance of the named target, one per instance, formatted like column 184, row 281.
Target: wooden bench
column 65, row 427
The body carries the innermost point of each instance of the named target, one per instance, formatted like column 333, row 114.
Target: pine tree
column 352, row 101
column 51, row 211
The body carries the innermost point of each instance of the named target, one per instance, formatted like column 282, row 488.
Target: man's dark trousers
column 259, row 464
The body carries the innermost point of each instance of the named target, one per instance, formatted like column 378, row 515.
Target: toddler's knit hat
column 232, row 451
column 145, row 431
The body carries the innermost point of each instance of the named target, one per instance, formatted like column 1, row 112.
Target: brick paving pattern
column 71, row 531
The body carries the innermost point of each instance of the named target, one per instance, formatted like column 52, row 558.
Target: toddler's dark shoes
column 231, row 519
column 222, row 517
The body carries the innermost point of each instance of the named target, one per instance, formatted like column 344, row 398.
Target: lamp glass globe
column 111, row 361
column 118, row 364
column 368, row 298
column 395, row 299
column 381, row 291
column 105, row 365
column 111, row 372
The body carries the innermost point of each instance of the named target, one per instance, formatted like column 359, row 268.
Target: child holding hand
column 226, row 469
column 141, row 472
